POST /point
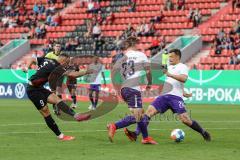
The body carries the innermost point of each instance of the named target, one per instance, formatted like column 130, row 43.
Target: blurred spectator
column 41, row 8
column 38, row 32
column 72, row 44
column 36, row 9
column 89, row 29
column 5, row 21
column 65, row 2
column 96, row 32
column 50, row 21
column 13, row 22
column 221, row 34
column 197, row 17
column 52, row 1
column 233, row 60
column 91, row 6
column 58, row 19
column 180, row 5
column 43, row 30
column 235, row 4
column 129, row 31
column 152, row 29
column 158, row 18
column 168, row 5
column 50, row 9
column 237, row 41
column 132, row 6
column 99, row 17
column 22, row 9
column 140, row 28
column 110, row 18
column 229, row 42
column 237, row 27
column 99, row 46
column 190, row 15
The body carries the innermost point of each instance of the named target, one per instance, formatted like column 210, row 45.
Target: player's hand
column 187, row 95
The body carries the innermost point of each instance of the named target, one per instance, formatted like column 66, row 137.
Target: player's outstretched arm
column 75, row 74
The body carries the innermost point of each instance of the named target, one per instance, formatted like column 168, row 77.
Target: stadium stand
column 120, row 18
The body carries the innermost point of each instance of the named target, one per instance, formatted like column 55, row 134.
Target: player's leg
column 159, row 105
column 150, row 112
column 52, row 124
column 184, row 118
column 91, row 98
column 96, row 98
column 73, row 96
column 134, row 101
column 177, row 106
column 54, row 99
column 39, row 99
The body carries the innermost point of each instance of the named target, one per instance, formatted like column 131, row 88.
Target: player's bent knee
column 151, row 111
column 45, row 111
column 185, row 119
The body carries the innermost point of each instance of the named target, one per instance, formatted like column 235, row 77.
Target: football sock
column 91, row 98
column 52, row 125
column 126, row 121
column 96, row 101
column 142, row 125
column 147, row 119
column 195, row 126
column 74, row 99
column 65, row 108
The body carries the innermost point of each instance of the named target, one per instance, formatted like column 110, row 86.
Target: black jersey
column 46, row 67
column 71, row 80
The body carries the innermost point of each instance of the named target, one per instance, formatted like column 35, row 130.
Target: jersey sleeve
column 145, row 60
column 184, row 70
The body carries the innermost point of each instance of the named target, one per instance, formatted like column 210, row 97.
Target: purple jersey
column 132, row 97
column 164, row 102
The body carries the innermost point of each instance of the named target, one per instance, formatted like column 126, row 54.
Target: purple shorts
column 165, row 102
column 95, row 87
column 132, row 97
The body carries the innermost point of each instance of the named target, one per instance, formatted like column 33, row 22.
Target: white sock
column 61, row 136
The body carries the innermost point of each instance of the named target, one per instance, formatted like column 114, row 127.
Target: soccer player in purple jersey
column 131, row 66
column 176, row 76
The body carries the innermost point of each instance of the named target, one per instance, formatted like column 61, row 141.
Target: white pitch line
column 90, row 131
column 33, row 124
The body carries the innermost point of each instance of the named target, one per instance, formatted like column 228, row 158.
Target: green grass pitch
column 24, row 136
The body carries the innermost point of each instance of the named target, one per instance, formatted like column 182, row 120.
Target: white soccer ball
column 177, row 135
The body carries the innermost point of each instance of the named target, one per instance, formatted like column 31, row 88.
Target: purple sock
column 138, row 130
column 126, row 121
column 142, row 125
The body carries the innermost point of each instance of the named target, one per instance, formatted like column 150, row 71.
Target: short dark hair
column 176, row 51
column 130, row 42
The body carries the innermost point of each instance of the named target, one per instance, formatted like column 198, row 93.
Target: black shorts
column 38, row 95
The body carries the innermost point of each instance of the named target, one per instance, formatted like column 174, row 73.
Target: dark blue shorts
column 95, row 87
column 132, row 97
column 165, row 102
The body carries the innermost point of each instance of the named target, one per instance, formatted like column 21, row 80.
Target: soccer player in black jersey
column 41, row 96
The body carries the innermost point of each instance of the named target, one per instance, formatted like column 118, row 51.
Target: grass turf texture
column 24, row 136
